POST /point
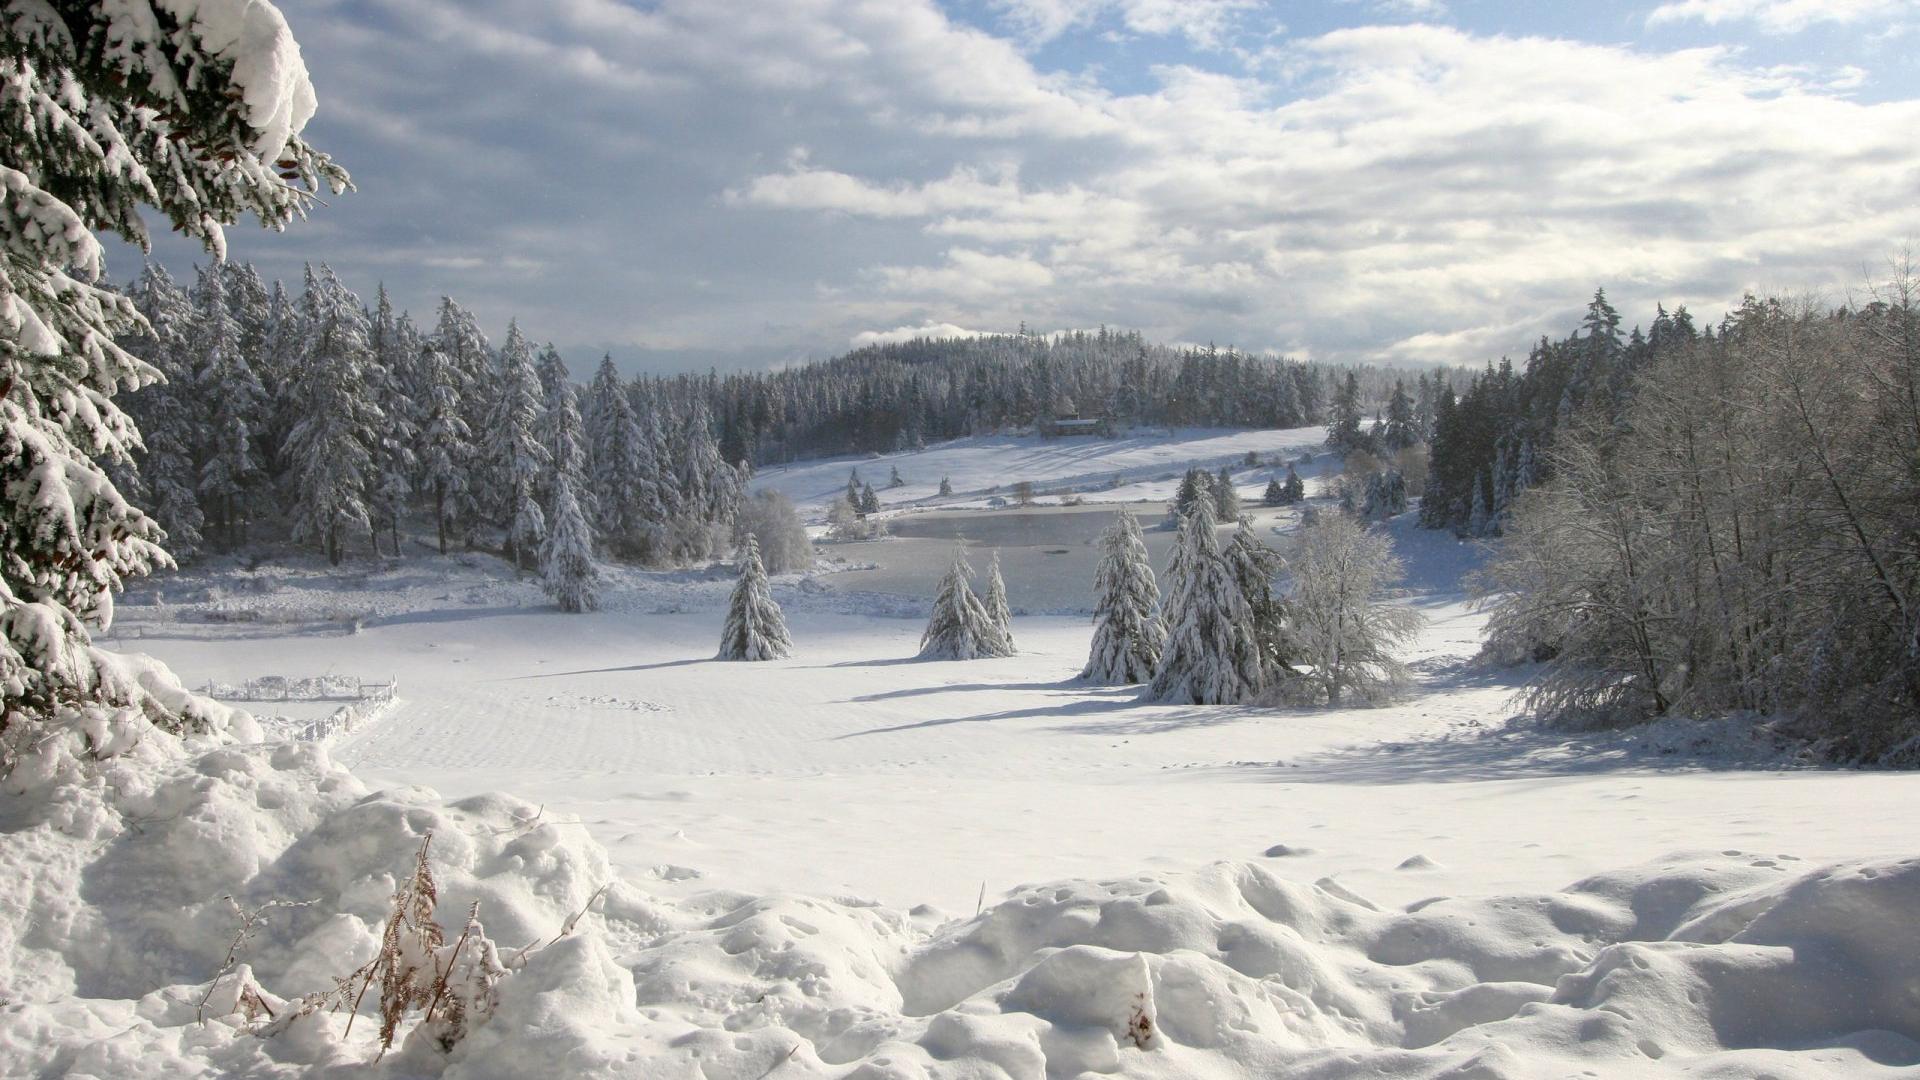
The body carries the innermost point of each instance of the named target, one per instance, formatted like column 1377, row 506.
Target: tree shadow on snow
column 615, row 670
column 922, row 691
column 1080, row 706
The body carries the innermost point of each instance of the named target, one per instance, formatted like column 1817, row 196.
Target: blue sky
column 739, row 183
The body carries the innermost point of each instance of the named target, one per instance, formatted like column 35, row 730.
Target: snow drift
column 114, row 924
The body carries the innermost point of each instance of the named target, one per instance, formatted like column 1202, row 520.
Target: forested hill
column 894, row 396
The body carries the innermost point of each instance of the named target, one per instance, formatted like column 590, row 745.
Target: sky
column 748, row 183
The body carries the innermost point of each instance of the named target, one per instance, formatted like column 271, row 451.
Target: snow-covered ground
column 854, row 863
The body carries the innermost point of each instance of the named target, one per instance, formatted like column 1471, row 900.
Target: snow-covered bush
column 1346, row 630
column 769, row 517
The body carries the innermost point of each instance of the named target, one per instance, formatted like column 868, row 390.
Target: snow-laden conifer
column 230, row 401
column 567, row 569
column 1226, row 501
column 995, row 601
column 166, row 479
column 443, row 446
column 1128, row 633
column 626, row 478
column 327, row 448
column 1211, row 657
column 960, row 628
column 755, row 628
column 516, row 458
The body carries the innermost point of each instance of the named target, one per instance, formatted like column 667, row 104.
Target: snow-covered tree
column 167, row 479
column 960, row 628
column 515, row 457
column 1386, row 496
column 626, row 475
column 561, row 427
column 394, row 345
column 995, row 601
column 567, row 570
column 755, row 628
column 108, row 107
column 1294, row 489
column 1275, row 495
column 1226, row 501
column 1211, row 656
column 869, row 500
column 946, row 486
column 443, row 447
column 1127, row 631
column 1345, row 629
column 331, row 467
column 232, row 405
column 893, row 479
column 1195, row 484
column 1343, row 429
column 457, row 336
column 770, row 519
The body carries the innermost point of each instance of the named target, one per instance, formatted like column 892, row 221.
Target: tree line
column 1722, row 520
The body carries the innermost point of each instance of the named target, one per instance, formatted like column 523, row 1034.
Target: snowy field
column 855, row 863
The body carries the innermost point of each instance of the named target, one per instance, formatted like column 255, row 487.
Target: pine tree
column 626, row 475
column 1211, row 657
column 1195, row 485
column 995, row 602
column 562, row 431
column 755, row 628
column 1275, row 495
column 960, row 628
column 443, row 447
column 231, row 401
column 946, row 487
column 1400, row 430
column 1343, row 429
column 893, row 480
column 327, row 449
column 389, row 377
column 516, row 459
column 1294, row 489
column 166, row 478
column 1226, row 501
column 1254, row 566
column 869, row 500
column 567, row 570
column 1128, row 634
column 457, row 336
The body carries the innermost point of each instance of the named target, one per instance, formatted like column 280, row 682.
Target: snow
column 853, row 863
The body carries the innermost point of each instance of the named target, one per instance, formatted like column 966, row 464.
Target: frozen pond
column 1048, row 554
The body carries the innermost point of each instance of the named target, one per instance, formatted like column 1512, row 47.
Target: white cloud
column 1779, row 16
column 1400, row 191
column 908, row 333
column 1204, row 22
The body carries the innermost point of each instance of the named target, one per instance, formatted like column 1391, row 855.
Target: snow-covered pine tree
column 755, row 628
column 567, row 570
column 443, row 446
column 1195, row 485
column 166, row 478
column 946, row 486
column 561, row 428
column 1254, row 567
column 893, row 479
column 853, row 486
column 1275, row 495
column 1294, row 489
column 109, row 106
column 230, row 401
column 1127, row 631
column 996, row 604
column 331, row 466
column 457, row 335
column 960, row 628
column 625, row 474
column 1386, row 496
column 1226, row 501
column 394, row 344
column 869, row 500
column 515, row 457
column 1211, row 657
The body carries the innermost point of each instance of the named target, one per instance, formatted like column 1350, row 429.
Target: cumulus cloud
column 1204, row 22
column 698, row 176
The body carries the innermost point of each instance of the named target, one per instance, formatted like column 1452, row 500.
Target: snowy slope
column 1148, row 463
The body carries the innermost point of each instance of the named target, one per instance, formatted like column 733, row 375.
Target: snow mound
column 114, row 922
